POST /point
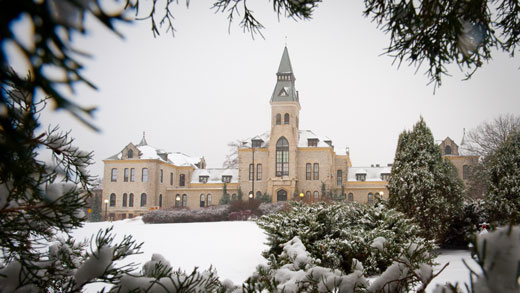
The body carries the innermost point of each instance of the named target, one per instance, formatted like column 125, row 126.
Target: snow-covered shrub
column 461, row 230
column 270, row 208
column 337, row 234
column 498, row 254
column 209, row 214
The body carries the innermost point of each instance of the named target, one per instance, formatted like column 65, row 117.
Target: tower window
column 286, row 118
column 282, row 157
column 278, row 119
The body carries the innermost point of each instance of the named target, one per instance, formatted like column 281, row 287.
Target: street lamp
column 301, row 196
column 106, row 209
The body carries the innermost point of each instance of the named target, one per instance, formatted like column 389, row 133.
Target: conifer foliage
column 503, row 200
column 422, row 185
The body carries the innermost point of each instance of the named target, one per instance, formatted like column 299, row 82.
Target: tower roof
column 284, row 91
column 285, row 63
column 143, row 140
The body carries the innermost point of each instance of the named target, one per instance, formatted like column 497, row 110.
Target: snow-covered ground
column 233, row 248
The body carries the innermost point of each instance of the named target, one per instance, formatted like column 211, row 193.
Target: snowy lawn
column 233, row 248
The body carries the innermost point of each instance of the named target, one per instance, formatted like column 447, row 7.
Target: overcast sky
column 197, row 91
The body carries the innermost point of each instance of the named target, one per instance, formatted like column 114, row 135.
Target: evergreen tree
column 95, row 213
column 503, row 200
column 422, row 185
column 225, row 196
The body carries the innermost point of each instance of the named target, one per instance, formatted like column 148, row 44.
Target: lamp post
column 106, row 209
column 301, row 196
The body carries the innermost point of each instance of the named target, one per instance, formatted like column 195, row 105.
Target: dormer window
column 312, row 142
column 361, row 177
column 283, row 93
column 130, row 154
column 226, row 178
column 385, row 176
column 203, row 179
column 256, row 143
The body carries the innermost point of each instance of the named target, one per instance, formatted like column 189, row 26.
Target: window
column 226, row 178
column 161, row 175
column 182, row 180
column 234, row 196
column 259, row 172
column 361, row 177
column 312, row 142
column 286, row 118
column 125, row 175
column 160, row 200
column 143, row 199
column 125, row 199
column 281, row 195
column 316, row 195
column 339, row 178
column 203, row 179
column 447, row 150
column 208, row 202
column 385, row 176
column 132, row 175
column 113, row 200
column 130, row 154
column 184, row 200
column 278, row 119
column 316, row 171
column 177, row 200
column 465, row 172
column 131, row 200
column 113, row 175
column 282, row 157
column 202, row 202
column 370, row 197
column 251, row 172
column 144, row 175
column 256, row 143
column 308, row 194
column 351, row 197
column 377, row 195
column 171, row 178
column 308, row 171
column 258, row 194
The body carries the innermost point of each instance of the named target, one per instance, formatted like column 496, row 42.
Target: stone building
column 459, row 157
column 285, row 163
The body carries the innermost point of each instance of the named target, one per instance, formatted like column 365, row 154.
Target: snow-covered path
column 233, row 248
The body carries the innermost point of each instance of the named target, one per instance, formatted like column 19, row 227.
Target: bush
column 209, row 214
column 463, row 226
column 338, row 233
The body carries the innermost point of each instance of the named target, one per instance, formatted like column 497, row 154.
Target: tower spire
column 285, row 90
column 143, row 140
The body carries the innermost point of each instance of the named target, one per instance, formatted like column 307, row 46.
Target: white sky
column 197, row 91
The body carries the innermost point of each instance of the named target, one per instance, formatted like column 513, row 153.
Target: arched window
column 184, row 200
column 370, row 197
column 160, row 200
column 286, row 118
column 316, row 195
column 351, row 197
column 113, row 175
column 113, row 200
column 143, row 199
column 182, row 179
column 130, row 154
column 282, row 157
column 202, row 201
column 465, row 172
column 281, row 195
column 177, row 200
column 131, row 200
column 278, row 119
column 125, row 198
column 258, row 194
column 208, row 202
column 447, row 150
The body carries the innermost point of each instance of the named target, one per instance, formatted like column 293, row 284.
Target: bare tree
column 488, row 136
column 232, row 157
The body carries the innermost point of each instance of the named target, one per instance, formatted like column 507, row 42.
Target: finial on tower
column 286, row 41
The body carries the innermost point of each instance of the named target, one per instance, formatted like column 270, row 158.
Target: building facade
column 285, row 163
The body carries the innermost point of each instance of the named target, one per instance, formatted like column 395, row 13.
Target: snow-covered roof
column 372, row 173
column 215, row 175
column 180, row 159
column 304, row 136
